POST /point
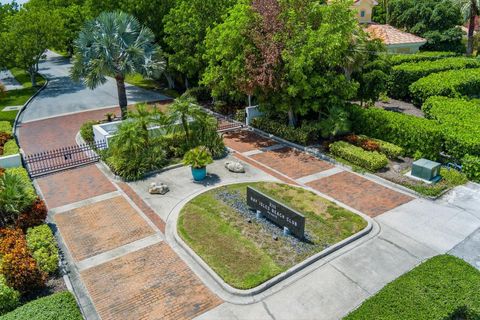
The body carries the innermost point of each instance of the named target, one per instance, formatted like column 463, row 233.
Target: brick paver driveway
column 244, row 141
column 153, row 283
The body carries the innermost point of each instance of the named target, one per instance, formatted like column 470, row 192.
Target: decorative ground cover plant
column 444, row 287
column 245, row 250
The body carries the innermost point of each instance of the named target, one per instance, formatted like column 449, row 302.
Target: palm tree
column 115, row 45
column 183, row 111
column 470, row 10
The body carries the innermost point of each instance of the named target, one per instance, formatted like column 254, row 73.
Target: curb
column 275, row 280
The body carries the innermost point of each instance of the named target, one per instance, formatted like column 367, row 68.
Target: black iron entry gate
column 43, row 163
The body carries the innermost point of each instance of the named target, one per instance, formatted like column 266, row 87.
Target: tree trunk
column 187, row 85
column 249, row 100
column 291, row 118
column 33, row 78
column 170, row 81
column 185, row 128
column 122, row 95
column 471, row 30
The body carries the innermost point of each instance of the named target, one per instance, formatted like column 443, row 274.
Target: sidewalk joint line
column 83, row 203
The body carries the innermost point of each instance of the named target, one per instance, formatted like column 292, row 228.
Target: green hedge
column 9, row 298
column 405, row 74
column 444, row 287
column 5, row 126
column 42, row 244
column 397, row 59
column 471, row 167
column 370, row 160
column 10, row 148
column 459, row 120
column 86, row 131
column 298, row 135
column 453, row 83
column 59, row 306
column 23, row 174
column 409, row 132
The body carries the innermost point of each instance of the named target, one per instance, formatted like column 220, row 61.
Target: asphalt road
column 64, row 96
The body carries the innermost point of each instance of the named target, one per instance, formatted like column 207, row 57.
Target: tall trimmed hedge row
column 453, row 83
column 459, row 120
column 411, row 133
column 397, row 59
column 405, row 74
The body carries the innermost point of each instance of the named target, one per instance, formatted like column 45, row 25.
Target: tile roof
column 373, row 2
column 390, row 35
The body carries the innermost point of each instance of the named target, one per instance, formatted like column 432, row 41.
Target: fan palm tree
column 470, row 10
column 115, row 45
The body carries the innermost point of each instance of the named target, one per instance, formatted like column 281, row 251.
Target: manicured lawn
column 20, row 96
column 243, row 249
column 139, row 81
column 443, row 287
column 59, row 306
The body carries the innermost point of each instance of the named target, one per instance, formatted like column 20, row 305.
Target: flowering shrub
column 41, row 242
column 18, row 266
column 33, row 216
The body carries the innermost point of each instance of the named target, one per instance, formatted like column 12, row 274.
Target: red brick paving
column 360, row 193
column 100, row 227
column 157, row 221
column 243, row 141
column 152, row 283
column 71, row 186
column 292, row 163
column 54, row 133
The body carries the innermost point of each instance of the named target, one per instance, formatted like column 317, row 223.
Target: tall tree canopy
column 437, row 21
column 186, row 26
column 290, row 54
column 29, row 34
column 470, row 10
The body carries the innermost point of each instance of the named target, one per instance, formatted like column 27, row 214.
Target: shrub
column 453, row 83
column 33, row 216
column 336, row 123
column 292, row 134
column 201, row 94
column 10, row 148
column 4, row 137
column 15, row 196
column 6, row 127
column 18, row 266
column 420, row 56
column 58, row 306
column 471, row 167
column 409, row 132
column 9, row 298
column 86, row 131
column 369, row 160
column 459, row 120
column 42, row 244
column 405, row 74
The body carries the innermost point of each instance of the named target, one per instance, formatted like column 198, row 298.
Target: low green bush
column 372, row 161
column 86, row 131
column 440, row 288
column 9, row 298
column 411, row 133
column 58, row 306
column 16, row 195
column 397, row 59
column 296, row 135
column 459, row 120
column 23, row 175
column 201, row 94
column 453, row 83
column 391, row 150
column 471, row 167
column 10, row 148
column 42, row 244
column 5, row 126
column 405, row 74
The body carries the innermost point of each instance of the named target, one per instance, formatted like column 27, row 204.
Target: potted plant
column 198, row 158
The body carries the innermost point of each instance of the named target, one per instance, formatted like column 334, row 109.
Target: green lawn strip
column 443, row 287
column 149, row 84
column 59, row 306
column 245, row 254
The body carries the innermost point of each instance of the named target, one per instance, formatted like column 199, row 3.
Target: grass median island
column 443, row 287
column 246, row 251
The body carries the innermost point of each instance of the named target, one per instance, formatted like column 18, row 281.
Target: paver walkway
column 349, row 188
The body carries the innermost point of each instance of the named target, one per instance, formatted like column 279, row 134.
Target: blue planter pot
column 199, row 173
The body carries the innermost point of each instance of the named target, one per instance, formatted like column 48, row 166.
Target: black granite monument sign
column 276, row 212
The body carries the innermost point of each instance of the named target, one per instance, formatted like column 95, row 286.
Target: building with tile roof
column 396, row 41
